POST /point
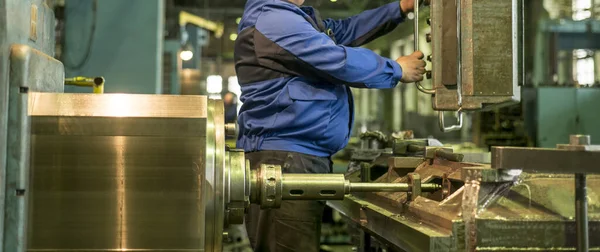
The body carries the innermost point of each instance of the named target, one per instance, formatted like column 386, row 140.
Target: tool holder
column 442, row 125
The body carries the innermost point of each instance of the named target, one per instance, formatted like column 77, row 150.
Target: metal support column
column 581, row 213
column 581, row 203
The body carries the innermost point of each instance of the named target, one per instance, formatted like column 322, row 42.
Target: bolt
column 428, row 37
column 230, row 129
column 430, row 58
column 429, row 21
column 580, row 140
column 429, row 75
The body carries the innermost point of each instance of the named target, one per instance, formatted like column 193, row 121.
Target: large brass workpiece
column 120, row 172
column 480, row 209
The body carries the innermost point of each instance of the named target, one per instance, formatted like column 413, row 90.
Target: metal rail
column 416, row 33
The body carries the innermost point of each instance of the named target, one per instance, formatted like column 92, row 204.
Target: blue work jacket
column 295, row 70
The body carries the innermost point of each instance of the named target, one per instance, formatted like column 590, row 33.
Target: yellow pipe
column 189, row 18
column 97, row 83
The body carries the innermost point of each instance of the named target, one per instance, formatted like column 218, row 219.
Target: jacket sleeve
column 366, row 26
column 296, row 44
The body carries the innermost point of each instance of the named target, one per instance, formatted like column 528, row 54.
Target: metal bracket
column 414, row 182
column 446, row 186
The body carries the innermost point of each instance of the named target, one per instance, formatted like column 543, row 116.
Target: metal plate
column 491, row 53
column 488, row 47
column 546, row 160
column 215, row 179
column 109, row 187
column 30, row 69
column 118, row 105
column 404, row 233
column 27, row 63
column 116, row 192
column 444, row 45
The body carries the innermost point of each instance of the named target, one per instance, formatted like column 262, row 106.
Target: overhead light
column 238, row 20
column 186, row 53
column 233, row 36
column 214, row 84
column 333, row 1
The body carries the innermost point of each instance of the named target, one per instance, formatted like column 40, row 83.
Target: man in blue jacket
column 296, row 70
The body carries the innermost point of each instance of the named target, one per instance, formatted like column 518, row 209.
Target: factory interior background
column 186, row 47
column 139, row 47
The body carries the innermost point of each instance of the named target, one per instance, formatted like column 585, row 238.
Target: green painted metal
column 26, row 64
column 561, row 112
column 126, row 45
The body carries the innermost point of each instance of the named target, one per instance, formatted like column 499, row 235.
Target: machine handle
column 456, row 127
column 459, row 74
column 416, row 33
column 97, row 83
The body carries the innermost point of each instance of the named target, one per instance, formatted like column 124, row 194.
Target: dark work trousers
column 296, row 226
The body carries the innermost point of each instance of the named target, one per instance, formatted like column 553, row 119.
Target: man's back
column 295, row 71
column 295, row 79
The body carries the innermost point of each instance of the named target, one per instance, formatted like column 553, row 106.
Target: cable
column 88, row 51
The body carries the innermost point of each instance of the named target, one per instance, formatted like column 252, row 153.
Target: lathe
column 120, row 172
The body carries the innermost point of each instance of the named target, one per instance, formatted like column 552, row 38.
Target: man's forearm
column 366, row 26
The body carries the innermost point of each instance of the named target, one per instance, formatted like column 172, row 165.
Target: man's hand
column 413, row 67
column 407, row 6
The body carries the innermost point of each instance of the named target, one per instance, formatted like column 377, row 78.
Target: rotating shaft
column 390, row 187
column 270, row 187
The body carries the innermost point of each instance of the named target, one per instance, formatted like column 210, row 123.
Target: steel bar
column 455, row 157
column 440, row 152
column 389, row 187
column 581, row 214
column 378, row 187
column 416, row 148
column 545, row 160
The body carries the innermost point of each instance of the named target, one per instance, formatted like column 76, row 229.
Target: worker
column 295, row 70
